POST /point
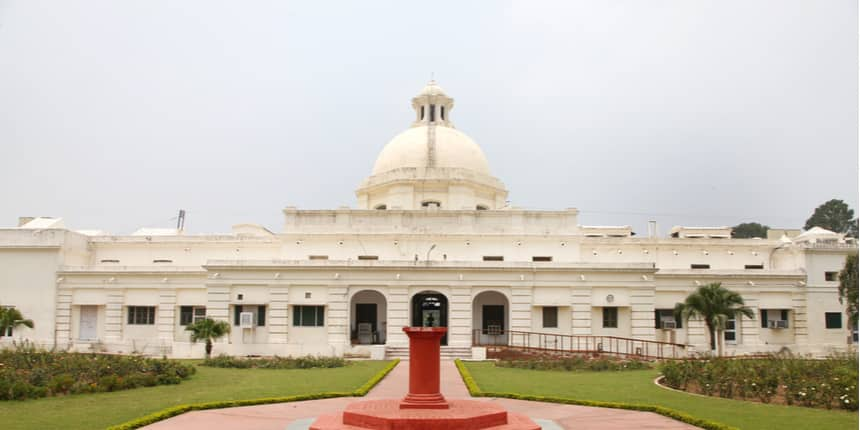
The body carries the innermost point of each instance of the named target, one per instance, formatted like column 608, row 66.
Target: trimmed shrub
column 577, row 363
column 829, row 383
column 307, row 362
column 27, row 372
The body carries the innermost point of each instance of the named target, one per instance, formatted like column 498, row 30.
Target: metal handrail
column 568, row 343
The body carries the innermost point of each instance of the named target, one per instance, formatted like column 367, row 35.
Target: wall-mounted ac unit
column 246, row 319
column 669, row 325
column 777, row 324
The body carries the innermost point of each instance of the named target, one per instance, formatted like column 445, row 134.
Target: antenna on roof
column 180, row 221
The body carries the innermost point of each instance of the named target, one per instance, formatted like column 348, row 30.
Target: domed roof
column 451, row 149
column 432, row 89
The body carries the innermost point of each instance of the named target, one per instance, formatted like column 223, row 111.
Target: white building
column 432, row 241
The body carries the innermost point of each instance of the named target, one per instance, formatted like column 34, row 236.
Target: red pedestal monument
column 424, row 408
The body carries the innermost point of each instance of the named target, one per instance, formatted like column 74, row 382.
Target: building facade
column 431, row 242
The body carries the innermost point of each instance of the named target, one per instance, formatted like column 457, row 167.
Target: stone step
column 446, row 352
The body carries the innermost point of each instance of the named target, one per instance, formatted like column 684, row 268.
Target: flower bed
column 27, row 372
column 575, row 363
column 308, row 362
column 830, row 383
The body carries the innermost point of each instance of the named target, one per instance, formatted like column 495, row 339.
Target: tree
column 208, row 330
column 747, row 230
column 848, row 286
column 11, row 318
column 833, row 215
column 715, row 305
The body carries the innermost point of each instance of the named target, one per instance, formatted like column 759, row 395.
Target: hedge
column 475, row 391
column 181, row 409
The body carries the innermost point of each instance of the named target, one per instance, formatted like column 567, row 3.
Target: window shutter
column 237, row 309
column 656, row 318
column 320, row 316
column 764, row 318
column 783, row 315
column 261, row 315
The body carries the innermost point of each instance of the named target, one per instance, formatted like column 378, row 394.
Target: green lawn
column 97, row 411
column 636, row 386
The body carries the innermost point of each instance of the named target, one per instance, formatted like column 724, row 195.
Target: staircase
column 446, row 352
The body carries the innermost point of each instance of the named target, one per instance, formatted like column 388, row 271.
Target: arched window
column 481, row 207
column 431, row 203
column 432, row 113
column 442, row 113
column 381, row 207
column 422, row 113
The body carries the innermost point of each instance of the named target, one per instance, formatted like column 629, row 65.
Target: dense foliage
column 308, row 362
column 830, row 383
column 833, row 215
column 27, row 372
column 848, row 286
column 576, row 363
column 11, row 318
column 747, row 230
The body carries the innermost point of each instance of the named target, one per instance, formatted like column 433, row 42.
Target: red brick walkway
column 279, row 416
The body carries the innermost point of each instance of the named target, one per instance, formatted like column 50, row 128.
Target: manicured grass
column 98, row 411
column 636, row 386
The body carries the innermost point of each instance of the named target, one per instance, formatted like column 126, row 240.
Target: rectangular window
column 141, row 315
column 550, row 316
column 700, row 266
column 191, row 314
column 610, row 317
column 237, row 311
column 753, row 266
column 308, row 316
column 162, row 260
column 545, row 259
column 494, row 258
column 831, row 276
column 763, row 313
column 667, row 316
column 368, row 257
column 833, row 319
column 317, row 257
column 261, row 316
column 730, row 334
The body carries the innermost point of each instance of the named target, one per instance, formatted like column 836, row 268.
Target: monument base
column 388, row 415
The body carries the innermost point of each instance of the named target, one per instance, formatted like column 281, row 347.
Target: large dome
column 451, row 149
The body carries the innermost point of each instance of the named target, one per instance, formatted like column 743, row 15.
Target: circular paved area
column 279, row 416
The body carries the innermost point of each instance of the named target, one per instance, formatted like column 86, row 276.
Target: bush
column 307, row 362
column 577, row 363
column 829, row 383
column 27, row 372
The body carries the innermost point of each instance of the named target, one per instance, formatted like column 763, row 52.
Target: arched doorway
column 368, row 318
column 490, row 318
column 430, row 309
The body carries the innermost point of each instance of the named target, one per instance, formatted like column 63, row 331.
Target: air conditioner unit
column 777, row 324
column 669, row 325
column 246, row 320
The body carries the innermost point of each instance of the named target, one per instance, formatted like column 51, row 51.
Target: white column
column 166, row 314
column 64, row 318
column 580, row 311
column 279, row 313
column 460, row 317
column 114, row 316
column 338, row 318
column 642, row 313
column 398, row 316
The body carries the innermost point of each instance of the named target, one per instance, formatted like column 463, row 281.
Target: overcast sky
column 115, row 115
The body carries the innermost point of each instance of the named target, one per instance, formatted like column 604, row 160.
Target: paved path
column 395, row 385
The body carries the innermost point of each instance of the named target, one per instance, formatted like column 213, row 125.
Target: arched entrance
column 490, row 318
column 368, row 318
column 430, row 309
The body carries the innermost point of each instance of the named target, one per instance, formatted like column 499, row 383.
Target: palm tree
column 715, row 305
column 10, row 318
column 209, row 330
